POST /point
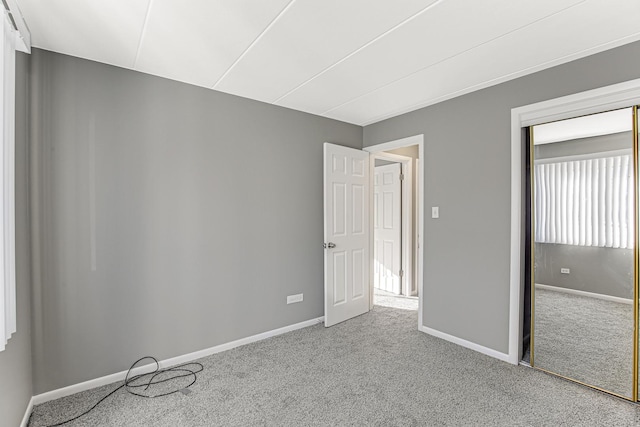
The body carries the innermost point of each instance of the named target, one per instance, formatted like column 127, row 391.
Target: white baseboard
column 584, row 294
column 109, row 379
column 464, row 343
column 27, row 414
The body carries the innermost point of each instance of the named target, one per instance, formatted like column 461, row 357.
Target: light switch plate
column 435, row 212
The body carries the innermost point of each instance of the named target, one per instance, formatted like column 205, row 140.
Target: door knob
column 329, row 245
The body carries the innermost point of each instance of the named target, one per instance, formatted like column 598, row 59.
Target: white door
column 346, row 233
column 387, row 228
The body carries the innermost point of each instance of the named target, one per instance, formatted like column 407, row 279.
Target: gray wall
column 15, row 360
column 172, row 218
column 467, row 174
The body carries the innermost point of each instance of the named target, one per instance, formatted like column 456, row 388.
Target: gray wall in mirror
column 593, row 145
column 604, row 271
column 468, row 175
column 15, row 361
column 173, row 218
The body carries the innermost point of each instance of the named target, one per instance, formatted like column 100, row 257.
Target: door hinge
column 401, row 177
column 401, row 273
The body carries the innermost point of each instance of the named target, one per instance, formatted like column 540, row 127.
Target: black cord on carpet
column 136, row 382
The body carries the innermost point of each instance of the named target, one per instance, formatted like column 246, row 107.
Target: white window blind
column 585, row 202
column 7, row 175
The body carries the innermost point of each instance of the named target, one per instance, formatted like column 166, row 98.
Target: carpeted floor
column 586, row 339
column 374, row 370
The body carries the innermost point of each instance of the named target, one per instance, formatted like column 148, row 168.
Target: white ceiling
column 359, row 61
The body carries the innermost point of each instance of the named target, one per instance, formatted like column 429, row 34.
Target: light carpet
column 373, row 370
column 586, row 339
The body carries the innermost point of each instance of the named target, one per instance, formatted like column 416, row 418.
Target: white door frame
column 377, row 150
column 612, row 97
column 406, row 189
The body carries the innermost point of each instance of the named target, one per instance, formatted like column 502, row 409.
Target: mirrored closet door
column 583, row 250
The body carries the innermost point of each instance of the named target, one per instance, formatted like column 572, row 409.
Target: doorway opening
column 396, row 225
column 349, row 232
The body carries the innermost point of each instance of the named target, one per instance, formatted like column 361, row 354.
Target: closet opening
column 580, row 304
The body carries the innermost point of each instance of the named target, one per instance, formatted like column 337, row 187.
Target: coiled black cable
column 137, row 382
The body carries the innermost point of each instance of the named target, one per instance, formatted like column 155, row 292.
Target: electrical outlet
column 294, row 298
column 565, row 271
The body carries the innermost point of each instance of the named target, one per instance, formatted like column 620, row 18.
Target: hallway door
column 387, row 228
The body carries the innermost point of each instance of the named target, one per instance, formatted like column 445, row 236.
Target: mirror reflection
column 583, row 233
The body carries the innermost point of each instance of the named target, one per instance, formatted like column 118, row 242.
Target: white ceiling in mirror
column 606, row 123
column 358, row 61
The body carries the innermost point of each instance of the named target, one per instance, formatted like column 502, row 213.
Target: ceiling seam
column 453, row 56
column 505, row 78
column 253, row 43
column 142, row 34
column 335, row 64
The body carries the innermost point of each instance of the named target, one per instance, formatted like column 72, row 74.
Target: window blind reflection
column 585, row 202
